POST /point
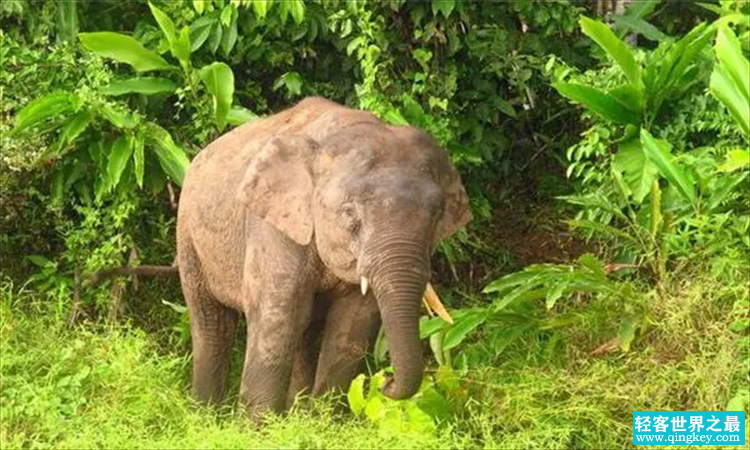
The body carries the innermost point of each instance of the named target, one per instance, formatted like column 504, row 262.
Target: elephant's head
column 377, row 200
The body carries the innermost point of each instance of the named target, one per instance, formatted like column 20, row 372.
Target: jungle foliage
column 627, row 129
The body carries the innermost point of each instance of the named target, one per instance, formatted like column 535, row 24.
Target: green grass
column 117, row 386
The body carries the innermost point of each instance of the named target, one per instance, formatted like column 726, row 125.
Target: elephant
column 317, row 223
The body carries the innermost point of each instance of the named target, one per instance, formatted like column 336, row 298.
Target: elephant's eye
column 349, row 216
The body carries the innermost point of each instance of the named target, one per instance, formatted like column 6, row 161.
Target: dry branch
column 138, row 271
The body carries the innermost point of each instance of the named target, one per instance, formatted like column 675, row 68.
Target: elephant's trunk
column 399, row 272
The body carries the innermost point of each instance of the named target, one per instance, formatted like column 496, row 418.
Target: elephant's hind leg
column 303, row 372
column 212, row 327
column 305, row 362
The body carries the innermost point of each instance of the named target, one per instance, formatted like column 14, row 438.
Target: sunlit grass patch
column 114, row 386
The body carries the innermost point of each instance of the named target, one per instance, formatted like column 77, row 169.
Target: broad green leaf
column 172, row 158
column 433, row 403
column 436, row 345
column 505, row 107
column 713, row 8
column 238, row 115
column 638, row 171
column 292, row 81
column 40, row 261
column 181, row 48
column 723, row 87
column 742, row 21
column 626, row 334
column 736, row 159
column 523, row 294
column 124, row 49
column 374, row 408
column 67, row 20
column 394, row 116
column 730, row 82
column 554, row 294
column 138, row 158
column 696, row 41
column 658, row 152
column 140, row 85
column 229, row 37
column 166, row 25
column 641, row 8
column 417, row 420
column 214, row 39
column 283, row 11
column 261, row 8
column 380, row 348
column 622, row 186
column 354, row 44
column 219, row 81
column 444, row 7
column 297, row 8
column 356, row 396
column 294, row 7
column 640, row 26
column 615, row 48
column 118, row 116
column 74, row 127
column 430, row 326
column 44, row 108
column 154, row 178
column 199, row 32
column 226, row 15
column 598, row 102
column 118, row 159
column 510, row 281
column 740, row 401
column 668, row 72
column 199, row 5
column 376, row 382
column 463, row 326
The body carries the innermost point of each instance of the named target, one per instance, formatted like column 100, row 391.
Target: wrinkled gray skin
column 279, row 220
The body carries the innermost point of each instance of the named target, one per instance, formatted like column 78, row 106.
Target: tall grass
column 113, row 386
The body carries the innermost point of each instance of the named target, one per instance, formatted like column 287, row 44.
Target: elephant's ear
column 457, row 212
column 278, row 186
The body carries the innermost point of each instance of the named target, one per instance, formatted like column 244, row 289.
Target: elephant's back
column 216, row 172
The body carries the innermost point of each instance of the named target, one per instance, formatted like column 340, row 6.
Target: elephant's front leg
column 351, row 328
column 273, row 336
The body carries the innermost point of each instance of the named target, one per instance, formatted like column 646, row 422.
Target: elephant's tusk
column 427, row 307
column 432, row 301
column 363, row 284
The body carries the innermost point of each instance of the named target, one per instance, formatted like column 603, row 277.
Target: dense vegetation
column 604, row 146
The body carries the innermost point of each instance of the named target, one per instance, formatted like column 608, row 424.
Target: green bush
column 627, row 126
